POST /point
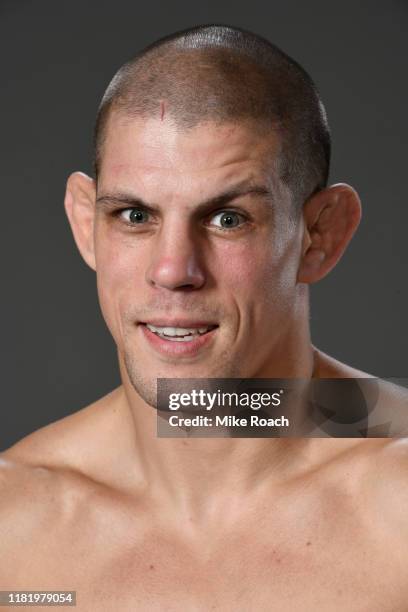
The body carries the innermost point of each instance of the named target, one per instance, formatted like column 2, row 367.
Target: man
column 208, row 218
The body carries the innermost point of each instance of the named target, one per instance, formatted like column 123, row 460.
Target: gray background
column 57, row 58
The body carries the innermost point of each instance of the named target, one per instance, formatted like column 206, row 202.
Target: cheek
column 119, row 270
column 254, row 273
column 233, row 265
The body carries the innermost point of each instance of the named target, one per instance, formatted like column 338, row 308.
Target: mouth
column 178, row 338
column 180, row 334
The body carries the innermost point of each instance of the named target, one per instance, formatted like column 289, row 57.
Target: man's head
column 221, row 74
column 209, row 211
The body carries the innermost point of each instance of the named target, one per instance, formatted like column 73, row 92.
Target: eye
column 134, row 215
column 228, row 219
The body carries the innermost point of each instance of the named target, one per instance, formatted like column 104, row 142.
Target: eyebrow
column 222, row 199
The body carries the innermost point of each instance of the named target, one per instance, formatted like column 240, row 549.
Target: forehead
column 153, row 153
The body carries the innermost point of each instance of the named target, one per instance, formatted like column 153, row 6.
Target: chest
column 260, row 568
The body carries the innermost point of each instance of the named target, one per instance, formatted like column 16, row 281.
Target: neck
column 199, row 475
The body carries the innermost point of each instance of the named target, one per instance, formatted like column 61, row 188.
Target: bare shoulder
column 26, row 491
column 56, row 447
column 374, row 473
column 386, row 488
column 53, row 463
column 51, row 480
column 70, row 443
column 387, row 393
column 389, row 474
column 376, row 468
column 34, row 502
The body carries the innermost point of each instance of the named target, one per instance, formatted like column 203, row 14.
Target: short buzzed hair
column 225, row 74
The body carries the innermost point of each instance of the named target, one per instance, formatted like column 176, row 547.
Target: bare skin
column 98, row 504
column 320, row 525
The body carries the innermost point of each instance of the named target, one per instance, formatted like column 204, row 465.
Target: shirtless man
column 210, row 209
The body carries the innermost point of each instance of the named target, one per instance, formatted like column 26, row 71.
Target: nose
column 175, row 261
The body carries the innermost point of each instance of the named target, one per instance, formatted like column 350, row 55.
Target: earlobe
column 331, row 217
column 80, row 208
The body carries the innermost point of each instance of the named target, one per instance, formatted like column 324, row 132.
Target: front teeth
column 178, row 334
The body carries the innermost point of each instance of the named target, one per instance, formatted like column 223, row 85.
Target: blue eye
column 228, row 219
column 135, row 215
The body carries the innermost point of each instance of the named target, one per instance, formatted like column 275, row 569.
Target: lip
column 170, row 348
column 186, row 323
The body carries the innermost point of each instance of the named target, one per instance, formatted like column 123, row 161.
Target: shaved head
column 222, row 74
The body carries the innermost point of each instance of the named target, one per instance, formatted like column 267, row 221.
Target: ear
column 331, row 217
column 79, row 203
